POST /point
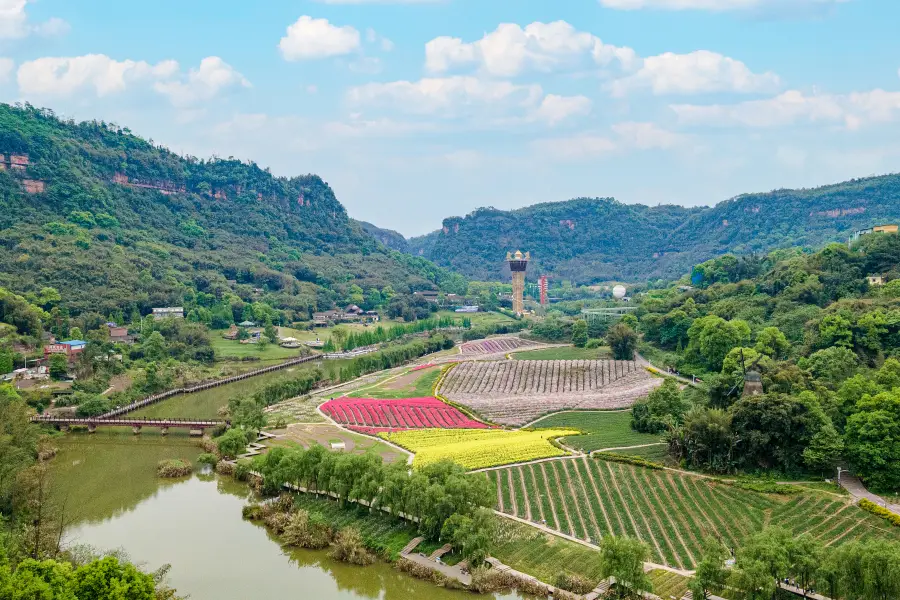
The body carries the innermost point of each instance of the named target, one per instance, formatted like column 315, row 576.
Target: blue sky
column 418, row 110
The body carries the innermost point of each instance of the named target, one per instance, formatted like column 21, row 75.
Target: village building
column 429, row 295
column 119, row 335
column 71, row 349
column 176, row 312
column 876, row 280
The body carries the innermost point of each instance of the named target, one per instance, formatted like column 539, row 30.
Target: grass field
column 205, row 404
column 564, row 353
column 477, row 448
column 545, row 556
column 413, row 384
column 600, row 429
column 226, row 349
column 479, row 318
column 667, row 584
column 378, row 530
column 672, row 512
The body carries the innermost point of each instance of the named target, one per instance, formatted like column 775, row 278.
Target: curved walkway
column 852, row 484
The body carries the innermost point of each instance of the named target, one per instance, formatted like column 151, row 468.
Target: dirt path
column 537, row 490
column 587, row 499
column 575, row 501
column 587, row 467
column 643, row 518
column 524, row 492
column 648, row 566
column 512, row 492
column 552, row 504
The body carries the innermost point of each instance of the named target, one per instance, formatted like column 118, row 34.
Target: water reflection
column 195, row 525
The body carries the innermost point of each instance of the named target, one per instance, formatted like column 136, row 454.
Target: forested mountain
column 390, row 238
column 824, row 341
column 595, row 239
column 121, row 224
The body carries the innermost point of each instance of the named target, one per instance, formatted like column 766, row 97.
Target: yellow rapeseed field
column 478, row 448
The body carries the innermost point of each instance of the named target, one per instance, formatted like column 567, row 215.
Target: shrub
column 628, row 460
column 766, row 487
column 232, row 444
column 880, row 511
column 349, row 548
column 174, row 467
column 224, row 467
column 594, row 343
column 574, row 583
column 242, row 469
column 208, row 459
column 253, row 512
column 307, row 530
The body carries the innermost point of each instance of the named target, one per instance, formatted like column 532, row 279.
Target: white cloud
column 202, row 84
column 7, row 65
column 445, row 96
column 624, row 137
column 850, row 110
column 62, row 76
column 717, row 5
column 576, row 147
column 367, row 65
column 554, row 109
column 646, row 136
column 65, row 76
column 14, row 22
column 511, row 50
column 310, row 38
column 701, row 71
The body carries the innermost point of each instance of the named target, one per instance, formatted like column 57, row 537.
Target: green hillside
column 119, row 223
column 595, row 239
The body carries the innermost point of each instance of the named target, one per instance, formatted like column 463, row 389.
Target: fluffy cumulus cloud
column 64, row 76
column 717, row 5
column 697, row 72
column 794, row 107
column 14, row 22
column 511, row 50
column 203, row 83
column 310, row 38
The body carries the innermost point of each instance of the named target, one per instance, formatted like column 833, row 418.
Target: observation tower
column 518, row 264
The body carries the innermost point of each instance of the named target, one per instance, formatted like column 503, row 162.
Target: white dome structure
column 619, row 292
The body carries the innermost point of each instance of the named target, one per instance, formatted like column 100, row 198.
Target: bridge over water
column 195, row 426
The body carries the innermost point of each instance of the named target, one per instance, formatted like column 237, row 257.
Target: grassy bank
column 600, row 430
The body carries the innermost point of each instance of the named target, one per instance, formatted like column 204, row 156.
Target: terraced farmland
column 516, row 392
column 499, row 345
column 375, row 416
column 673, row 513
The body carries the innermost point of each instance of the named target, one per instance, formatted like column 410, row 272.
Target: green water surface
column 195, row 525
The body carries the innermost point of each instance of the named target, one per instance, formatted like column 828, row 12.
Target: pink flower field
column 376, row 416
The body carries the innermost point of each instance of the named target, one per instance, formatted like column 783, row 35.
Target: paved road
column 852, row 484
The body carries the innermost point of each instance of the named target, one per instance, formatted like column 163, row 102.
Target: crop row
column 387, row 415
column 535, row 376
column 477, row 448
column 522, row 404
column 494, row 346
column 671, row 512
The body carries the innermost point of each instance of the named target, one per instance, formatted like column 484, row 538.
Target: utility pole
column 840, row 470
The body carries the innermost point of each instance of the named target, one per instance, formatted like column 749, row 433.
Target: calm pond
column 196, row 526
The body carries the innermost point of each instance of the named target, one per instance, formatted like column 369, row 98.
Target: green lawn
column 564, row 353
column 205, row 404
column 601, row 429
column 544, row 556
column 420, row 387
column 234, row 349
